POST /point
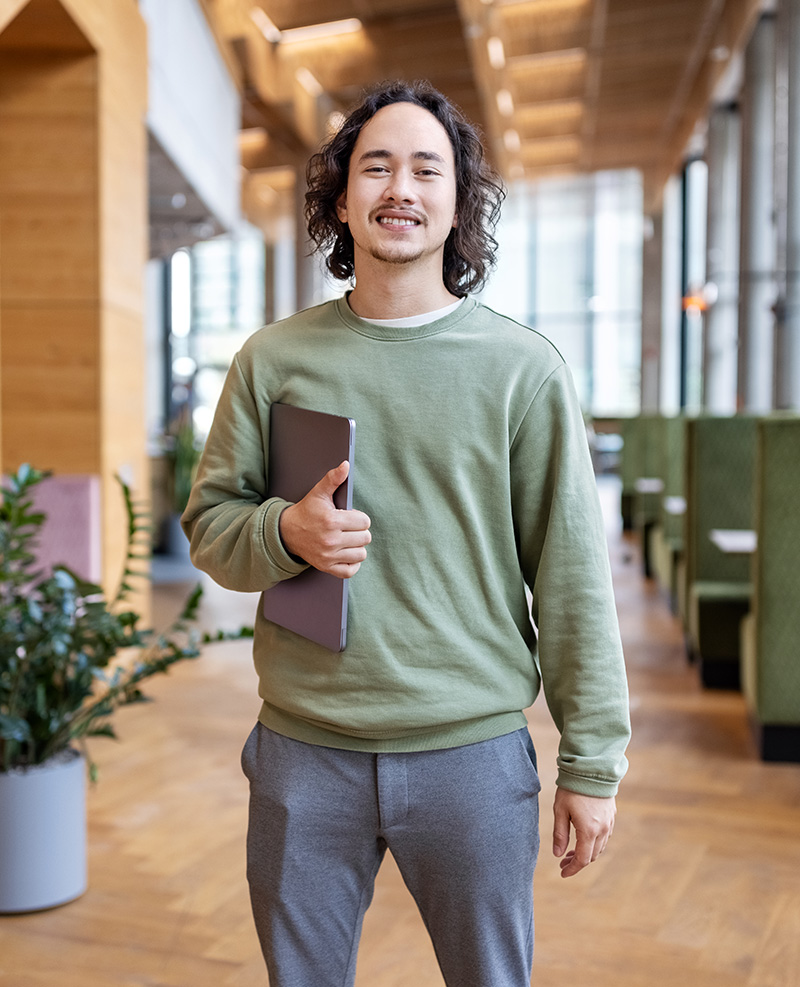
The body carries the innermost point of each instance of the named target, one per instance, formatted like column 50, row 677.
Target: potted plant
column 58, row 637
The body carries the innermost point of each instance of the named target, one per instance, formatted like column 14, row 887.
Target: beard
column 391, row 255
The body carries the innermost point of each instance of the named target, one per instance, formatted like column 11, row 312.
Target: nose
column 400, row 187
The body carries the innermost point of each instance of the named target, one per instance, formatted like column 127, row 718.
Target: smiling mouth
column 396, row 221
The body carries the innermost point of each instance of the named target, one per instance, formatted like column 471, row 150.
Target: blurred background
column 152, row 162
column 152, row 175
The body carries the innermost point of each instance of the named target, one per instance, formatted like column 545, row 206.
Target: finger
column 354, row 538
column 333, row 479
column 352, row 520
column 580, row 857
column 344, row 571
column 349, row 556
column 560, row 830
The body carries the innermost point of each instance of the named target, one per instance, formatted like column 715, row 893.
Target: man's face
column 400, row 202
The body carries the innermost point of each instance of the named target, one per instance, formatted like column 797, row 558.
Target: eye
column 428, row 172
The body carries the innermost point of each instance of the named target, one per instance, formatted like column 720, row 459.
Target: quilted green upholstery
column 640, row 453
column 772, row 635
column 673, row 472
column 719, row 476
column 640, row 458
column 720, row 463
column 668, row 537
column 631, row 432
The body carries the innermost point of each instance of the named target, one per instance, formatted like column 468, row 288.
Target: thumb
column 560, row 830
column 332, row 480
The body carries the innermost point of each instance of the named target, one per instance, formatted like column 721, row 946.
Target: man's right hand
column 331, row 540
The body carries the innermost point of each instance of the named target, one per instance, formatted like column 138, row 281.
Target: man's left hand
column 593, row 820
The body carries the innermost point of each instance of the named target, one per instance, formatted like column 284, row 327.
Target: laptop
column 303, row 446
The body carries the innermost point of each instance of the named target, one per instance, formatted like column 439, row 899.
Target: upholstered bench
column 770, row 636
column 720, row 457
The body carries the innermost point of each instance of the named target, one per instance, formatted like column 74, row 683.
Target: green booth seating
column 668, row 534
column 720, row 460
column 771, row 633
column 631, row 432
column 649, row 485
column 640, row 461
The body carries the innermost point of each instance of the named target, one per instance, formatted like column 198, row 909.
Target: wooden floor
column 700, row 886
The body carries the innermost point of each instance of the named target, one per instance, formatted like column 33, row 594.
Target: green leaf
column 59, row 634
column 14, row 728
column 102, row 730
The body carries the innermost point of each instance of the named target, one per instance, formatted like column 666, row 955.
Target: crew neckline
column 411, row 321
column 386, row 330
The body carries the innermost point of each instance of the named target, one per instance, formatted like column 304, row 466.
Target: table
column 734, row 541
column 649, row 485
column 675, row 505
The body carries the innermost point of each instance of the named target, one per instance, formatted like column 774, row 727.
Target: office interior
column 152, row 159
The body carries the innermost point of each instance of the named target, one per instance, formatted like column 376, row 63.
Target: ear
column 455, row 221
column 341, row 207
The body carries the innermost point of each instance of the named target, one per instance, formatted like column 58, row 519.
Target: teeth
column 391, row 221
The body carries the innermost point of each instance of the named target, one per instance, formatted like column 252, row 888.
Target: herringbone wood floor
column 699, row 888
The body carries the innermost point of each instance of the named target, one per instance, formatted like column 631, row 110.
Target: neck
column 398, row 291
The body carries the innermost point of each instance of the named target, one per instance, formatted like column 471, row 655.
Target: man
column 473, row 478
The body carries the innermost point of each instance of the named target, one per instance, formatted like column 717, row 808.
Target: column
column 671, row 285
column 788, row 354
column 757, row 256
column 722, row 262
column 73, row 246
column 652, row 302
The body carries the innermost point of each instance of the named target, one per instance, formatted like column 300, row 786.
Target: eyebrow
column 419, row 155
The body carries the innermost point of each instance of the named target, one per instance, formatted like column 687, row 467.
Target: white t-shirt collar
column 416, row 320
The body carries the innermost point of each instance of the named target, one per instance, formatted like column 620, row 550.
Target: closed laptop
column 303, row 446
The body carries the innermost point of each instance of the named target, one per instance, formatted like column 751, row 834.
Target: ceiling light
column 316, row 32
column 309, row 82
column 265, row 25
column 512, row 141
column 548, row 59
column 497, row 54
column 550, row 150
column 543, row 8
column 505, row 102
column 550, row 112
column 253, row 137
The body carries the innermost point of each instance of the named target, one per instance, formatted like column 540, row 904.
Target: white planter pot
column 43, row 834
column 177, row 544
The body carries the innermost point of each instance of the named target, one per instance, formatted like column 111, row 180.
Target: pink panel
column 71, row 533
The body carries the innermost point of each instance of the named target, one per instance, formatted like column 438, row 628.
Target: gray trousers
column 461, row 823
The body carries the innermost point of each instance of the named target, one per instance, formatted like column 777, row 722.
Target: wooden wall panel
column 49, row 259
column 73, row 245
column 122, row 371
column 118, row 32
column 43, row 24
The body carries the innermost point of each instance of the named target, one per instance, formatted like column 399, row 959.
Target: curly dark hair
column 470, row 249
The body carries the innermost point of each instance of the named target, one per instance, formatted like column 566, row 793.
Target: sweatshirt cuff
column 276, row 552
column 594, row 787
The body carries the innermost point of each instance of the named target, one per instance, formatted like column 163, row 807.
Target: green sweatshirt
column 472, row 462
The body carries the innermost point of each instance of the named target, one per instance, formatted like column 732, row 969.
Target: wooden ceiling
column 556, row 85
